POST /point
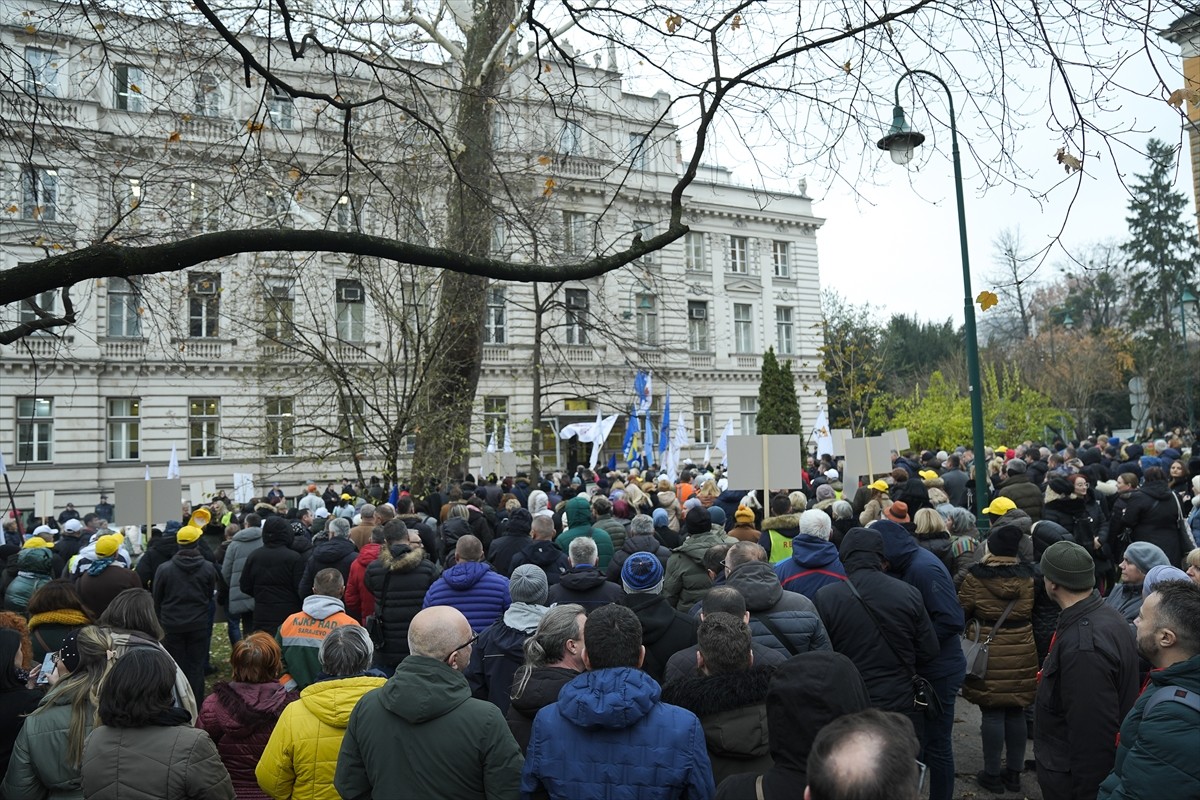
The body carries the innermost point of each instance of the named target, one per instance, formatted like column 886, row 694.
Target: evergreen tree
column 778, row 406
column 1162, row 244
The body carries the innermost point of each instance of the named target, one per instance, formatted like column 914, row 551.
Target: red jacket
column 360, row 603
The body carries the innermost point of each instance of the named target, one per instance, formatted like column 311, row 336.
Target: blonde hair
column 929, row 521
column 81, row 688
column 1193, row 558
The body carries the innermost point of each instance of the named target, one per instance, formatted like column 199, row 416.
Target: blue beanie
column 642, row 572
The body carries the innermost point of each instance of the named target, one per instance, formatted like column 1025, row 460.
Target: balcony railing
column 495, row 355
column 125, row 349
column 746, row 362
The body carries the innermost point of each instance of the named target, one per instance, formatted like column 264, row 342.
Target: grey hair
column 339, row 526
column 960, row 521
column 549, row 642
column 458, row 510
column 642, row 524
column 816, row 523
column 842, row 510
column 346, row 650
column 367, row 510
column 583, row 551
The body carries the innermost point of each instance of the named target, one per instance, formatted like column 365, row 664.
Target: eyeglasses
column 921, row 770
column 469, row 642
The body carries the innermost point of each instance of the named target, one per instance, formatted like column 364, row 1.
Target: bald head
column 436, row 631
column 468, row 548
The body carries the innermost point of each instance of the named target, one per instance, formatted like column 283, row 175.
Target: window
column 495, row 416
column 127, row 197
column 647, row 319
column 279, row 426
column 46, row 301
column 351, row 312
column 577, row 240
column 35, row 429
column 693, row 252
column 39, row 193
column 698, row 325
column 344, row 214
column 577, row 312
column 739, row 254
column 570, row 138
column 783, row 332
column 204, row 299
column 124, row 318
column 208, row 95
column 639, row 150
column 749, row 415
column 41, row 72
column 646, row 230
column 499, row 235
column 743, row 328
column 781, row 258
column 281, row 109
column 702, row 419
column 495, row 325
column 204, row 427
column 204, row 207
column 124, row 428
column 279, row 306
column 128, row 86
column 350, row 415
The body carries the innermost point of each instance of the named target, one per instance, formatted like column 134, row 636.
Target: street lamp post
column 900, row 142
column 1187, row 301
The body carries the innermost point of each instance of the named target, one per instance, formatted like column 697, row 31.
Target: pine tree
column 778, row 406
column 1162, row 243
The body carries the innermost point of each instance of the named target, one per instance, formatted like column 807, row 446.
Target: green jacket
column 455, row 747
column 1156, row 753
column 687, row 580
column 579, row 520
column 39, row 767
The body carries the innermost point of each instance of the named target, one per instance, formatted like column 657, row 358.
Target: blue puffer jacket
column 814, row 563
column 475, row 589
column 918, row 567
column 610, row 736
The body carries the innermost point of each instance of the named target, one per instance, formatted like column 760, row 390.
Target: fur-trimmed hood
column 401, row 558
column 705, row 695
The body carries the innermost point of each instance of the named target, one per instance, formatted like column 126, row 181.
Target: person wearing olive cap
column 106, row 576
column 1088, row 681
column 183, row 588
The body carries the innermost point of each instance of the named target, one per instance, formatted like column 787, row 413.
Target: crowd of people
column 621, row 634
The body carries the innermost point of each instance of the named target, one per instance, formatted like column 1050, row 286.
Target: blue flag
column 646, row 443
column 394, row 497
column 612, row 463
column 664, row 429
column 632, row 429
column 641, row 391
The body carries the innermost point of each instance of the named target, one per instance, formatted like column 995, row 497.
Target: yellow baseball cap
column 188, row 534
column 928, row 474
column 1000, row 506
column 109, row 545
column 35, row 541
column 879, row 485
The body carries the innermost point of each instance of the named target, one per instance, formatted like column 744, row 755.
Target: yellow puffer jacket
column 303, row 751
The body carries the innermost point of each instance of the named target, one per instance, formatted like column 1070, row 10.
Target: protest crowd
column 619, row 634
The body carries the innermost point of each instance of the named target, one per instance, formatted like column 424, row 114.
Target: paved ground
column 968, row 760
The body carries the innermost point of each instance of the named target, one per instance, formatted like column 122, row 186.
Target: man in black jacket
column 543, row 552
column 1020, row 489
column 337, row 552
column 514, row 539
column 1088, row 680
column 183, row 589
column 585, row 584
column 774, row 613
column 665, row 631
column 398, row 579
column 272, row 576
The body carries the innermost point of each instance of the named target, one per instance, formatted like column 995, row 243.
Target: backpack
column 1084, row 532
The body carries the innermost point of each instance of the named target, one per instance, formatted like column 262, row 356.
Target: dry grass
column 219, row 654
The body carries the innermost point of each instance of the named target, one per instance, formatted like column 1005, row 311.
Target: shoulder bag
column 374, row 622
column 1186, row 543
column 924, row 697
column 975, row 651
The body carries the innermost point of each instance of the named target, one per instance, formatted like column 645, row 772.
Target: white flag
column 3, row 469
column 723, row 439
column 821, row 435
column 707, row 454
column 173, row 465
column 603, row 429
column 678, row 440
column 491, row 445
column 507, row 440
column 147, row 472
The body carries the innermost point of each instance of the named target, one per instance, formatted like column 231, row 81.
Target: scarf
column 99, row 565
column 64, row 616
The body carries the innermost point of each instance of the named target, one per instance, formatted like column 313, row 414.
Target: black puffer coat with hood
column 399, row 579
column 272, row 576
column 792, row 614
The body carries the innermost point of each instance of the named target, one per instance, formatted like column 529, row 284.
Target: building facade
column 303, row 366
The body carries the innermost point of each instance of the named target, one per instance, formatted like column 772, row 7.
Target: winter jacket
column 1011, row 678
column 540, row 690
column 300, row 637
column 940, row 545
column 1126, row 600
column 777, row 535
column 398, row 598
column 646, row 543
column 426, row 529
column 668, row 502
column 733, row 712
column 613, row 527
column 97, row 591
column 1150, row 516
column 244, row 542
column 903, row 619
column 918, row 567
column 814, row 563
column 34, row 567
column 360, row 603
column 239, row 717
column 299, row 759
column 499, row 651
column 1024, row 493
column 336, row 553
column 124, row 641
column 361, row 534
column 38, row 767
column 515, row 539
column 547, row 556
column 183, row 588
column 272, row 577
column 162, row 548
column 456, row 747
column 475, row 589
column 15, row 705
column 1156, row 753
column 1088, row 685
column 610, row 735
column 665, row 631
column 686, row 580
column 873, row 508
column 585, row 585
column 1077, row 515
column 792, row 614
column 1045, row 610
column 579, row 522
column 176, row 762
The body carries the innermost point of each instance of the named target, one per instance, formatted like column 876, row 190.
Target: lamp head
column 901, row 140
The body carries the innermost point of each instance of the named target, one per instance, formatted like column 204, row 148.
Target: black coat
column 183, row 587
column 646, row 543
column 336, row 553
column 586, row 586
column 162, row 548
column 1021, row 491
column 15, row 704
column 1150, row 515
column 790, row 613
column 542, row 689
column 1077, row 516
column 515, row 539
column 547, row 556
column 665, row 631
column 272, row 577
column 411, row 575
column 495, row 658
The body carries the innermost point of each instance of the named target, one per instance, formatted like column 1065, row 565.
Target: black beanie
column 698, row 520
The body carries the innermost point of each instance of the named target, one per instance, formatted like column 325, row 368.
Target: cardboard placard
column 43, row 503
column 898, row 439
column 243, row 487
column 866, row 457
column 164, row 497
column 201, row 492
column 765, row 462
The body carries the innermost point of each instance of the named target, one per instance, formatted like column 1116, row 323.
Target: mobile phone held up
column 48, row 665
